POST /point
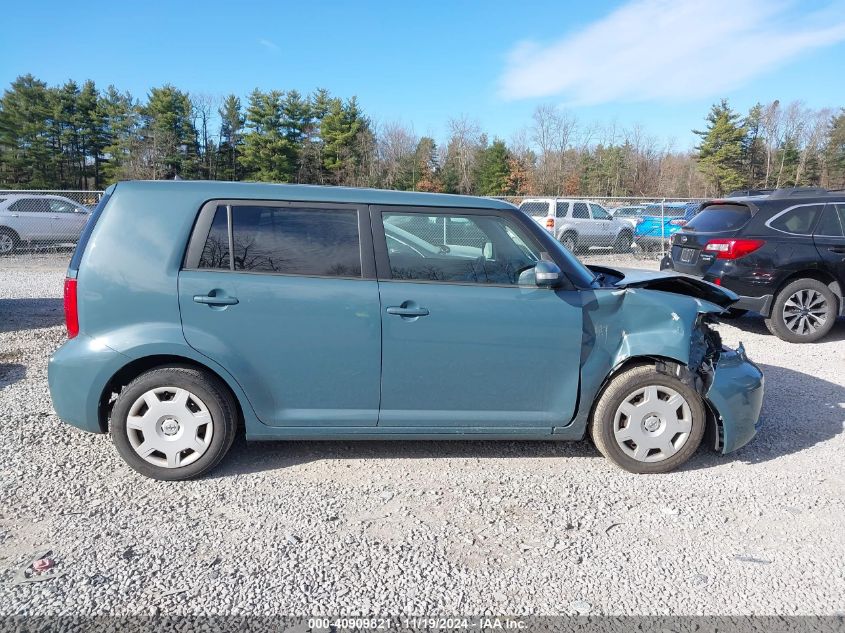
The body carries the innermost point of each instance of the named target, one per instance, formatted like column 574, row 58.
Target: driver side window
column 599, row 213
column 457, row 248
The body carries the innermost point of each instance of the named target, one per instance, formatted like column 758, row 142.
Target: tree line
column 80, row 137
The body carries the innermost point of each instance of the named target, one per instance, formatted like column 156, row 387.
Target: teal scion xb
column 195, row 309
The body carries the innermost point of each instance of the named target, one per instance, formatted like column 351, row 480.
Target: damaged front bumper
column 735, row 397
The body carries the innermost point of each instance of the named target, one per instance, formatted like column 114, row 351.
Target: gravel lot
column 421, row 527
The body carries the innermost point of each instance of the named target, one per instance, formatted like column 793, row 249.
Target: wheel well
column 819, row 275
column 130, row 372
column 10, row 231
column 713, row 431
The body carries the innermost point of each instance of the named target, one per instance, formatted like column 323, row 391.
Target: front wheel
column 648, row 422
column 174, row 423
column 803, row 312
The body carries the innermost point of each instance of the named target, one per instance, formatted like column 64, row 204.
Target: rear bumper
column 736, row 397
column 77, row 374
column 761, row 304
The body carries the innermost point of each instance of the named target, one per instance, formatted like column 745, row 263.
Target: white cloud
column 270, row 46
column 670, row 49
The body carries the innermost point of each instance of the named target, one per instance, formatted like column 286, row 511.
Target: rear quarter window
column 722, row 217
column 535, row 208
column 797, row 220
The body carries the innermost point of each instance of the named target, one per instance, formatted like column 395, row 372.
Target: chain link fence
column 39, row 221
column 618, row 230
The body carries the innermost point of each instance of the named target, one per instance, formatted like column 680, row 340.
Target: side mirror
column 547, row 274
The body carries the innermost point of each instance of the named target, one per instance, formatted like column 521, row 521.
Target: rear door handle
column 837, row 249
column 216, row 301
column 407, row 312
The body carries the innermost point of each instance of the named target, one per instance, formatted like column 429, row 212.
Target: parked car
column 28, row 218
column 630, row 214
column 302, row 312
column 660, row 221
column 783, row 253
column 580, row 224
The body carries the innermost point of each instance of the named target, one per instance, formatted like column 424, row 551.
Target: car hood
column 664, row 281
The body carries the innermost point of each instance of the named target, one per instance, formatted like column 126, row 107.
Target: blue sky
column 657, row 63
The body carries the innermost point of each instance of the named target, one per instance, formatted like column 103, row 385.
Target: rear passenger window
column 799, row 220
column 580, row 211
column 832, row 223
column 561, row 209
column 286, row 240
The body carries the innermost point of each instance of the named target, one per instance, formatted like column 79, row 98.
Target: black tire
column 620, row 388
column 791, row 329
column 9, row 241
column 204, row 385
column 623, row 242
column 570, row 241
column 733, row 313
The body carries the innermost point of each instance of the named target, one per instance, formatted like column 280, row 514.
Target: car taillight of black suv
column 782, row 252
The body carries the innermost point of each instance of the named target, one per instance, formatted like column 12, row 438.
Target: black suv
column 781, row 251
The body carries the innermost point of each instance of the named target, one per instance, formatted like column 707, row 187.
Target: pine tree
column 121, row 153
column 267, row 153
column 231, row 138
column 493, row 173
column 835, row 151
column 168, row 135
column 26, row 156
column 340, row 129
column 720, row 154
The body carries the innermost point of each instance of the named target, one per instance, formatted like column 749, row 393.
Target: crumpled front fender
column 620, row 324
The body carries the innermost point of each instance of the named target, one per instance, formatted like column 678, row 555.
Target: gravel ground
column 421, row 527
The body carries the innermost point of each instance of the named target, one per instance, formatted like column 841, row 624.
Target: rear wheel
column 569, row 241
column 803, row 312
column 648, row 422
column 623, row 242
column 174, row 423
column 8, row 241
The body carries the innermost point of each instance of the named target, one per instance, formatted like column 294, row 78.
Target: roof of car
column 212, row 189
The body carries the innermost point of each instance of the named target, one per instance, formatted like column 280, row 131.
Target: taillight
column 71, row 314
column 732, row 249
column 678, row 222
column 550, row 224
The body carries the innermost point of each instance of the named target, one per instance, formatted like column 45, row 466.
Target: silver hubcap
column 569, row 243
column 169, row 427
column 6, row 243
column 805, row 312
column 652, row 423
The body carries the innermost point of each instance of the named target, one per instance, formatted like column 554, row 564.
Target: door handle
column 215, row 301
column 837, row 249
column 407, row 312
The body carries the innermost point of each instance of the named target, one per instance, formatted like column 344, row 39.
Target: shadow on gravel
column 249, row 457
column 799, row 412
column 754, row 324
column 10, row 373
column 30, row 314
